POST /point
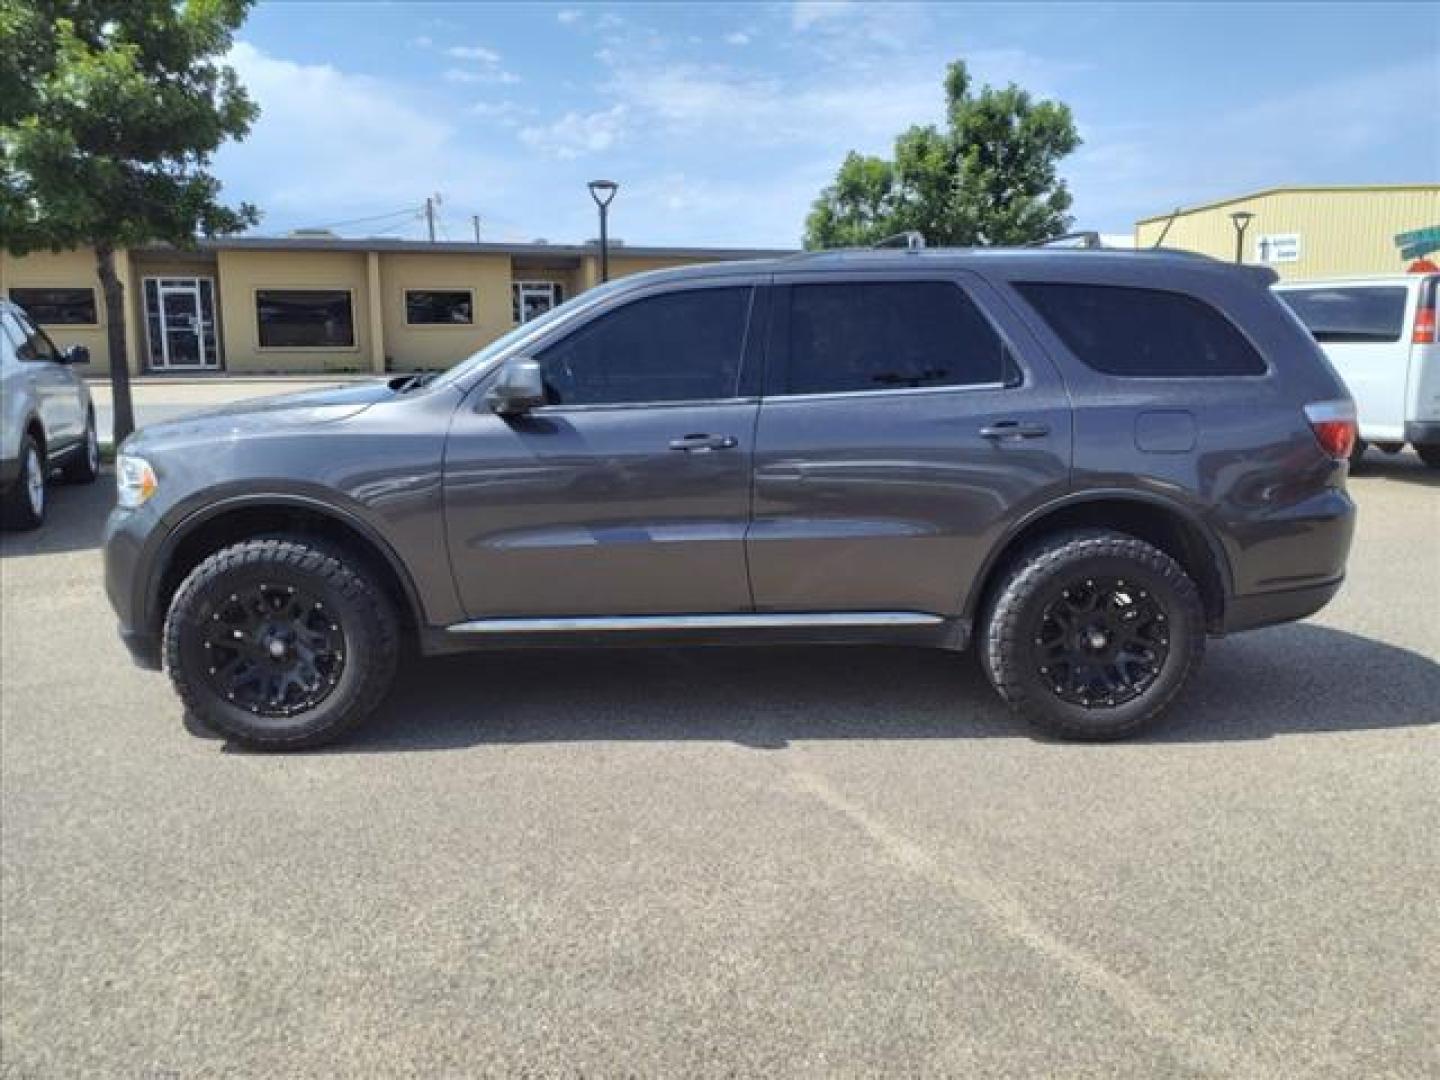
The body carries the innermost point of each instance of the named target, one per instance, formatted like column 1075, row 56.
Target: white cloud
column 505, row 113
column 330, row 144
column 422, row 42
column 568, row 16
column 491, row 77
column 737, row 37
column 577, row 133
column 474, row 52
column 805, row 14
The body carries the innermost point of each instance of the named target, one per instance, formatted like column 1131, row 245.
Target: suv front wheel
column 280, row 644
column 1092, row 634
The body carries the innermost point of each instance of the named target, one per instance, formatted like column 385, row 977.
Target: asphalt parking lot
column 720, row 862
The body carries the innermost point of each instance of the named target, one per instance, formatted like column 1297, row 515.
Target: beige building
column 315, row 303
column 1306, row 232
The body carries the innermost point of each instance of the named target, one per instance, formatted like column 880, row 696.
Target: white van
column 1379, row 333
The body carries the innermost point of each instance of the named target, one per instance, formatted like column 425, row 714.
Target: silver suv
column 47, row 420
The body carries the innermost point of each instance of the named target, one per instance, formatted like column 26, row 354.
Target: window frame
column 777, row 367
column 354, row 347
column 94, row 304
column 752, row 333
column 406, row 290
column 1055, row 342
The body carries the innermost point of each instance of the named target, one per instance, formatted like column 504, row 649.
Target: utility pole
column 430, row 216
column 475, row 220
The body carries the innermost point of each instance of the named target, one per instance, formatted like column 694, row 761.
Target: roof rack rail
column 910, row 240
column 1088, row 238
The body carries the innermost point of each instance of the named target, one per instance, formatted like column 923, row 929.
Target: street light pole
column 602, row 191
column 1241, row 220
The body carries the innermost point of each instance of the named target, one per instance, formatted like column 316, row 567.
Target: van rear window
column 1361, row 313
column 1143, row 333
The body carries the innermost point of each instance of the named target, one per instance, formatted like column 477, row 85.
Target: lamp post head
column 602, row 191
column 1242, row 218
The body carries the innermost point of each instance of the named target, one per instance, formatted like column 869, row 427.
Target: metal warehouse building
column 1309, row 232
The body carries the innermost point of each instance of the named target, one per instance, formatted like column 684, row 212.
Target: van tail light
column 1424, row 333
column 1334, row 425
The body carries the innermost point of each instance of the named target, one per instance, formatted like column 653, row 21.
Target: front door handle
column 703, row 443
column 1014, row 429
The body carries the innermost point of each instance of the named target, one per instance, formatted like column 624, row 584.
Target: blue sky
column 722, row 122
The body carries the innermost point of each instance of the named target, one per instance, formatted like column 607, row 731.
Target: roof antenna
column 911, row 239
column 1166, row 231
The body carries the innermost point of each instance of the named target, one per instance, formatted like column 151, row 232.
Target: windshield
column 534, row 328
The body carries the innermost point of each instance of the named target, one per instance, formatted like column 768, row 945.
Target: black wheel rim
column 275, row 650
column 1102, row 642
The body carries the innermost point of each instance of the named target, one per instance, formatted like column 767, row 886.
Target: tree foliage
column 990, row 177
column 110, row 111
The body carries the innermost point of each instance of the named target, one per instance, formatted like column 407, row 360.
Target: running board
column 828, row 619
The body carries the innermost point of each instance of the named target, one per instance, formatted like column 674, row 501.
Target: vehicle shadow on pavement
column 74, row 519
column 1404, row 468
column 1299, row 679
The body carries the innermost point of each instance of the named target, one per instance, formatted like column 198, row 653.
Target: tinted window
column 890, row 335
column 683, row 346
column 305, row 318
column 1143, row 333
column 1353, row 314
column 439, row 307
column 73, row 307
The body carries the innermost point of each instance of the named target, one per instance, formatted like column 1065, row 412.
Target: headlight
column 134, row 480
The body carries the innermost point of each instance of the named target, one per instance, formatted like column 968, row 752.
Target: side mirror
column 518, row 388
column 75, row 354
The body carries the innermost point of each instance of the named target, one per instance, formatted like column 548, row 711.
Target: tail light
column 1334, row 425
column 1424, row 331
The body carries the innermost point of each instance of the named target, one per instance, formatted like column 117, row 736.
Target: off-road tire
column 1007, row 643
column 84, row 467
column 363, row 613
column 16, row 510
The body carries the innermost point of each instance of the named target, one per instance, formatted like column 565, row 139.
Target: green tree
column 990, row 177
column 110, row 111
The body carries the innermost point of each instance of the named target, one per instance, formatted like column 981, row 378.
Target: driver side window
column 32, row 344
column 679, row 346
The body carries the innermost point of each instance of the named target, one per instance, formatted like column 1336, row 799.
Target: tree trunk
column 114, row 290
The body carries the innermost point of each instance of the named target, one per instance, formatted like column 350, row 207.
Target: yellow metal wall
column 243, row 272
column 1342, row 231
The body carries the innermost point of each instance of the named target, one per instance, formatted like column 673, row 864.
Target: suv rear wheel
column 280, row 644
column 1093, row 633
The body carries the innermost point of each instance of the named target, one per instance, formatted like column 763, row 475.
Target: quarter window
column 58, row 307
column 305, row 318
column 681, row 346
column 1364, row 314
column 861, row 336
column 1143, row 333
column 439, row 307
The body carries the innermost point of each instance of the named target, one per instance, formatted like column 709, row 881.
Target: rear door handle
column 703, row 443
column 1014, row 429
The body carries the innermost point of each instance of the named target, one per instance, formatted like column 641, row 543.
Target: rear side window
column 889, row 335
column 680, row 346
column 1356, row 314
column 1143, row 333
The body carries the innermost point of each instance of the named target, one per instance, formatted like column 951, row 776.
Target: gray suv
column 1082, row 462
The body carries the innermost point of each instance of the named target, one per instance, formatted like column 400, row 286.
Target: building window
column 531, row 299
column 305, row 318
column 439, row 307
column 58, row 307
